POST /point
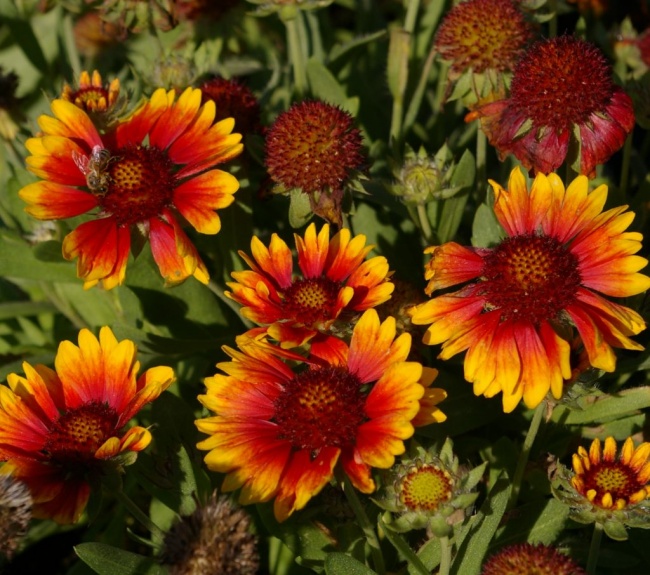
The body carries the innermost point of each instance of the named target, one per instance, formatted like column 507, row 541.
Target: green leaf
column 300, row 211
column 107, row 560
column 486, row 229
column 342, row 564
column 404, row 549
column 608, row 407
column 454, row 208
column 429, row 554
column 310, row 543
column 24, row 36
column 325, row 86
column 341, row 49
column 536, row 522
column 24, row 308
column 49, row 251
column 475, row 538
column 18, row 261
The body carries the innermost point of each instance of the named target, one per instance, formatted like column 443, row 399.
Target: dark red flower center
column 611, row 477
column 483, row 34
column 311, row 301
column 313, row 147
column 425, row 488
column 562, row 81
column 321, row 407
column 80, row 432
column 530, row 278
column 141, row 183
column 527, row 559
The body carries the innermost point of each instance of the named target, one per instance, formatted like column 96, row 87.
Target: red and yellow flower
column 152, row 171
column 605, row 489
column 609, row 482
column 280, row 430
column 336, row 281
column 61, row 429
column 523, row 299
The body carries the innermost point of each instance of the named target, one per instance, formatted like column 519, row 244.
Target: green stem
column 525, row 453
column 594, row 548
column 625, row 168
column 138, row 514
column 481, row 153
column 364, row 523
column 445, row 556
column 424, row 223
column 396, row 121
column 217, row 290
column 416, row 100
column 296, row 54
column 314, row 31
column 411, row 15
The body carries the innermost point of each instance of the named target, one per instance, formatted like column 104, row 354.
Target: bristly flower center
column 614, row 478
column 530, row 278
column 80, row 432
column 425, row 488
column 321, row 407
column 311, row 301
column 562, row 81
column 141, row 184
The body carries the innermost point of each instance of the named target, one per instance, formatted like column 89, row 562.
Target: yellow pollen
column 311, row 296
column 425, row 488
column 611, row 479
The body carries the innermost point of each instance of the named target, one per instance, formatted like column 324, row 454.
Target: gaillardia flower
column 336, row 281
column 152, row 171
column 482, row 39
column 62, row 429
column 101, row 102
column 281, row 428
column 526, row 559
column 561, row 88
column 605, row 489
column 522, row 299
column 430, row 490
column 314, row 148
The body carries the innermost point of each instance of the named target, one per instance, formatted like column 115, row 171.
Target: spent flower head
column 216, row 538
column 315, row 149
column 94, row 36
column 430, row 489
column 562, row 93
column 15, row 514
column 606, row 489
column 233, row 99
column 528, row 559
column 481, row 40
